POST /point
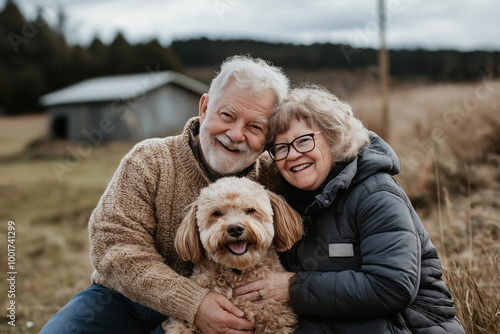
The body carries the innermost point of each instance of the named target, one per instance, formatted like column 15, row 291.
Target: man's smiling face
column 233, row 134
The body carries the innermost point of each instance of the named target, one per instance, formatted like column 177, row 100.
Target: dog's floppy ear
column 187, row 239
column 287, row 224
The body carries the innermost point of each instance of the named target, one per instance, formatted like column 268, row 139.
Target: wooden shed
column 123, row 107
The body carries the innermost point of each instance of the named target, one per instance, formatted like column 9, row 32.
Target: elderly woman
column 365, row 264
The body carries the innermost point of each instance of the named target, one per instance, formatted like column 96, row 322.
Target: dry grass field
column 448, row 140
column 447, row 137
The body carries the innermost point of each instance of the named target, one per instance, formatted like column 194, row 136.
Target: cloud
column 460, row 24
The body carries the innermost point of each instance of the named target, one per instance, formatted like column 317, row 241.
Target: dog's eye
column 217, row 213
column 249, row 211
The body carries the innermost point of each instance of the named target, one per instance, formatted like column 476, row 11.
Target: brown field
column 447, row 137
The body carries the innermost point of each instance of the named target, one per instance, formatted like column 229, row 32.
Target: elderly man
column 139, row 280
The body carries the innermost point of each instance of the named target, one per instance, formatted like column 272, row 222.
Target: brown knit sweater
column 132, row 228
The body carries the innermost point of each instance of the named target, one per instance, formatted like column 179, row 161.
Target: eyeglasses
column 302, row 144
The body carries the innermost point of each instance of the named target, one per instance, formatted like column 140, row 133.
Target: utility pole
column 383, row 64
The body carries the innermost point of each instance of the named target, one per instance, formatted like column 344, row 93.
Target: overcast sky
column 430, row 24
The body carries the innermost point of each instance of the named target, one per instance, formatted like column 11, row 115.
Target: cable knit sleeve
column 122, row 241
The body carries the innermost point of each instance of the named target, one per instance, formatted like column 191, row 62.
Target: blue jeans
column 100, row 310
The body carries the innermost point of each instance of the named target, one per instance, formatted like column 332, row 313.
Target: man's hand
column 276, row 286
column 216, row 314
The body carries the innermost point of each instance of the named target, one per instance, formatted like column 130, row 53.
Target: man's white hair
column 253, row 73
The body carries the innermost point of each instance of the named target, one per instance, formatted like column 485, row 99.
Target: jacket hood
column 377, row 157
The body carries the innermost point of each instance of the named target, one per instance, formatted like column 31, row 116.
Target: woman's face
column 306, row 171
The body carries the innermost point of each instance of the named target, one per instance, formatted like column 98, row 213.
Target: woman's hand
column 276, row 286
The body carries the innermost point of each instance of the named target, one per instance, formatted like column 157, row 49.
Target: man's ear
column 203, row 106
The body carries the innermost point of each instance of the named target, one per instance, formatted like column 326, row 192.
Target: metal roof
column 119, row 87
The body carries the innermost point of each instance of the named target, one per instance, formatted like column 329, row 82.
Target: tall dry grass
column 448, row 140
column 471, row 260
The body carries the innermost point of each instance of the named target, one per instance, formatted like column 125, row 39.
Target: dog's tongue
column 238, row 247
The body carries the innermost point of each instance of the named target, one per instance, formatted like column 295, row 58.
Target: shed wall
column 157, row 113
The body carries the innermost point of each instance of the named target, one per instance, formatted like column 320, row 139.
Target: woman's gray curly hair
column 322, row 109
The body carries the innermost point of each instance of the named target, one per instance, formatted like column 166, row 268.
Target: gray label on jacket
column 340, row 250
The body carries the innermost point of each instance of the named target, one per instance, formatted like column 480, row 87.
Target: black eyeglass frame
column 312, row 134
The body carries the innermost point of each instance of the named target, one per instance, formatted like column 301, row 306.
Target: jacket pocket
column 320, row 255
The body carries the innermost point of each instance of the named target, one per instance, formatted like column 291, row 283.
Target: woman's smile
column 306, row 171
column 300, row 167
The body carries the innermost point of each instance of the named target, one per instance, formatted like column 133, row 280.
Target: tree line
column 36, row 59
column 440, row 65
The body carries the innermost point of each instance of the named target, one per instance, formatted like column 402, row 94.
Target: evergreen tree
column 154, row 55
column 121, row 56
column 13, row 30
column 98, row 53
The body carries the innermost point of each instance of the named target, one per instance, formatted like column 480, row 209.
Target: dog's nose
column 235, row 230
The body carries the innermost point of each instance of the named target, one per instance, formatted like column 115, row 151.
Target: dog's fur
column 214, row 221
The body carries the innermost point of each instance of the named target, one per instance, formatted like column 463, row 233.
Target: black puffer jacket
column 366, row 264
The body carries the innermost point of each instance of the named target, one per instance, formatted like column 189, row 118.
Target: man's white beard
column 221, row 162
